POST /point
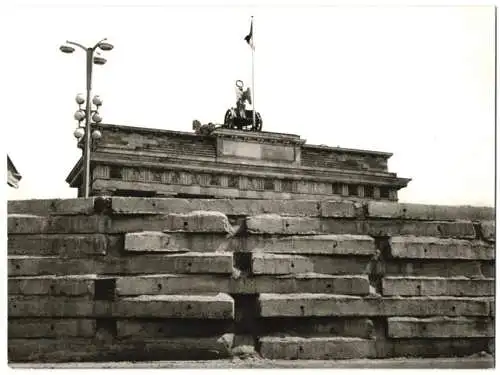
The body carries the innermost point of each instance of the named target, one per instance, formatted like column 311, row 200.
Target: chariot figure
column 240, row 117
column 241, row 98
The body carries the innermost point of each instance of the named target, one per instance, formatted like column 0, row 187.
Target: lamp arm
column 99, row 42
column 76, row 44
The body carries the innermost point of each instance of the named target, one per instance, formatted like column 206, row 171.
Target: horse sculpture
column 205, row 129
column 239, row 117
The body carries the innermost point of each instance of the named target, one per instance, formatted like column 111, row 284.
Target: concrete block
column 34, row 306
column 436, row 248
column 279, row 264
column 73, row 285
column 64, row 245
column 343, row 226
column 332, row 244
column 337, row 284
column 25, row 223
column 191, row 262
column 301, row 283
column 272, row 223
column 275, row 224
column 287, row 207
column 305, row 304
column 91, row 350
column 51, row 328
column 341, row 265
column 443, row 229
column 196, row 221
column 153, row 328
column 320, row 348
column 201, row 242
column 488, row 230
column 77, row 206
column 341, row 209
column 78, row 224
column 437, row 286
column 313, row 326
column 135, row 206
column 147, row 241
column 315, row 304
column 220, row 306
column 172, row 284
column 392, row 210
column 438, row 347
column 238, row 207
column 50, row 265
column 32, row 224
column 437, row 268
column 405, row 327
column 439, row 305
column 372, row 227
column 200, row 221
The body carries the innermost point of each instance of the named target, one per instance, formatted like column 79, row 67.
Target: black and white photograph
column 249, row 185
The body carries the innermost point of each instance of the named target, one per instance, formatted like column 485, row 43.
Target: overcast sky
column 414, row 81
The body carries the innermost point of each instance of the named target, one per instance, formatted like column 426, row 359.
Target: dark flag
column 249, row 37
column 13, row 176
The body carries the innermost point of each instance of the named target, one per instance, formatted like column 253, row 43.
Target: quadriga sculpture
column 239, row 117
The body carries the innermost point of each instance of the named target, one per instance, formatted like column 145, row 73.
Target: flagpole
column 253, row 77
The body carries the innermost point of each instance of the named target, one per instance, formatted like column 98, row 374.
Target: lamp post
column 86, row 113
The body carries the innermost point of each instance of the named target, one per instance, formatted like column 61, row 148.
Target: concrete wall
column 105, row 279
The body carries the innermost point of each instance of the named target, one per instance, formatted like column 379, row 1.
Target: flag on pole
column 249, row 37
column 13, row 176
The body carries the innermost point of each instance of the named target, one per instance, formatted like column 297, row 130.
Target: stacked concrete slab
column 169, row 278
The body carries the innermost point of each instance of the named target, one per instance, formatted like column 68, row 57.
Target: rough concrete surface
column 333, row 244
column 152, row 279
column 438, row 248
column 477, row 362
column 395, row 210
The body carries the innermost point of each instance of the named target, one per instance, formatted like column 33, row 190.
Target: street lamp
column 81, row 114
column 88, row 114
